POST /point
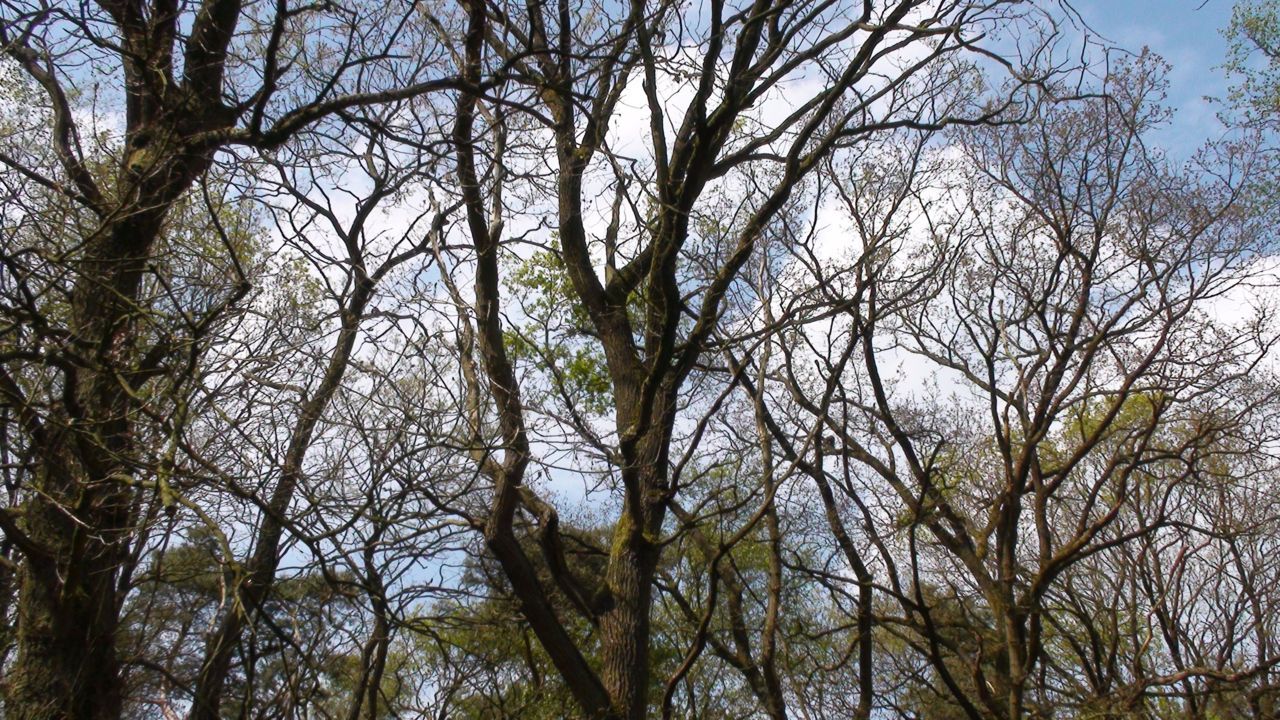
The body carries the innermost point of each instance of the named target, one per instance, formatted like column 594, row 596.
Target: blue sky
column 1188, row 34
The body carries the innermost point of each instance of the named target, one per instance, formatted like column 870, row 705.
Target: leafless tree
column 791, row 358
column 651, row 285
column 1024, row 380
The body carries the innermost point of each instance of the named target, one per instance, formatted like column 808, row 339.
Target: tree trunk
column 624, row 627
column 66, row 666
column 68, row 606
column 633, row 559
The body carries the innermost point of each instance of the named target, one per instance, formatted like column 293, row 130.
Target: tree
column 570, row 70
column 784, row 359
column 300, row 669
column 1061, row 287
column 103, row 321
column 1254, row 33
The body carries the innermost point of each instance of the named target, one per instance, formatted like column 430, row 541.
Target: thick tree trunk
column 625, row 664
column 624, row 627
column 68, row 605
column 67, row 666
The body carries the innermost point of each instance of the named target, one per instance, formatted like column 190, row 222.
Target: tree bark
column 68, row 608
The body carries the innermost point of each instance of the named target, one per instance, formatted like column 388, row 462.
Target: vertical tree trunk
column 624, row 628
column 68, row 607
column 633, row 557
column 66, row 666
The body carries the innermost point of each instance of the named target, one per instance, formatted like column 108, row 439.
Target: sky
column 1188, row 35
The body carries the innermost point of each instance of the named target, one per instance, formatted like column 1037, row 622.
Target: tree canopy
column 773, row 358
